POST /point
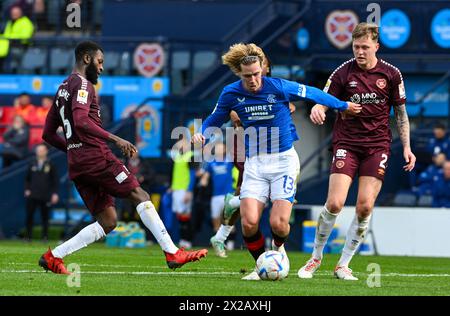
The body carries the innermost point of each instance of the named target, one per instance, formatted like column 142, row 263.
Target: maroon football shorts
column 366, row 161
column 98, row 188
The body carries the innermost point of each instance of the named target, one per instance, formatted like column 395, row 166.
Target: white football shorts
column 271, row 176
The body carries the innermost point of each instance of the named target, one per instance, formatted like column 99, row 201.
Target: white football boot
column 344, row 273
column 307, row 271
column 253, row 276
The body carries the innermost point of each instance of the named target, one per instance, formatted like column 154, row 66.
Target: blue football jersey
column 265, row 115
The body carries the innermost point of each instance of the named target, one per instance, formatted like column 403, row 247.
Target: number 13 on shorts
column 288, row 184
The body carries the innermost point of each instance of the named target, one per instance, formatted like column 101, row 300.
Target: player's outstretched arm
column 401, row 116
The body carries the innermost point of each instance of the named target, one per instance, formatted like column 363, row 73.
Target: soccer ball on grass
column 272, row 265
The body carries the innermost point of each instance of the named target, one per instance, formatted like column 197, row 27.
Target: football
column 272, row 265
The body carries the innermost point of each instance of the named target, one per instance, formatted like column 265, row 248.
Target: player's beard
column 91, row 73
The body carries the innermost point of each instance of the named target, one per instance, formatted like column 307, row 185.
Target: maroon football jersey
column 75, row 108
column 376, row 90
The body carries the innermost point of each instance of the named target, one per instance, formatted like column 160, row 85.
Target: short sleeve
column 397, row 89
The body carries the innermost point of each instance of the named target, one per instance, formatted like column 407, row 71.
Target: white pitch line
column 111, row 266
column 173, row 273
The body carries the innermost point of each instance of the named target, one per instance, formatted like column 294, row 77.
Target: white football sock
column 324, row 227
column 153, row 222
column 223, row 232
column 355, row 236
column 86, row 236
column 235, row 201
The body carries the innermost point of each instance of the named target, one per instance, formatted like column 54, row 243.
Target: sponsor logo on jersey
column 82, row 96
column 381, row 83
column 241, row 100
column 381, row 172
column 341, row 153
column 366, row 98
column 74, row 146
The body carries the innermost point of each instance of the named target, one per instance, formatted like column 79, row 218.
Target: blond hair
column 242, row 54
column 366, row 29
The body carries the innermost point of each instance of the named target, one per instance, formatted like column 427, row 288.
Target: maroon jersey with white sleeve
column 376, row 90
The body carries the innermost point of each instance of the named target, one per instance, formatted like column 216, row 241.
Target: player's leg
column 338, row 187
column 101, row 206
column 279, row 223
column 251, row 210
column 343, row 169
column 222, row 231
column 283, row 174
column 368, row 190
column 175, row 257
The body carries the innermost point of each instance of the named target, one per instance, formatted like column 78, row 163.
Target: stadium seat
column 180, row 68
column 425, row 201
column 60, row 60
column 112, row 63
column 34, row 60
column 125, row 64
column 405, row 198
column 203, row 60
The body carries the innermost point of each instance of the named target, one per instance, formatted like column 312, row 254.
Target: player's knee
column 334, row 205
column 279, row 225
column 139, row 195
column 249, row 227
column 109, row 224
column 364, row 209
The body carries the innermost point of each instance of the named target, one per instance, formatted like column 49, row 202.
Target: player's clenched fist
column 198, row 138
column 318, row 115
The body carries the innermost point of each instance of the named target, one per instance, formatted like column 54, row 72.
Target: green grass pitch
column 132, row 272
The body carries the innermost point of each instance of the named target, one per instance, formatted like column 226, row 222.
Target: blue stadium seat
column 425, row 201
column 180, row 68
column 60, row 60
column 34, row 60
column 125, row 64
column 405, row 198
column 112, row 63
column 203, row 60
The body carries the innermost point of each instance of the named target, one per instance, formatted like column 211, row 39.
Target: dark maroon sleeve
column 80, row 112
column 334, row 84
column 50, row 135
column 397, row 89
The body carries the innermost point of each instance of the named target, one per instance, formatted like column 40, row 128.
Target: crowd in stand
column 434, row 180
column 21, row 127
